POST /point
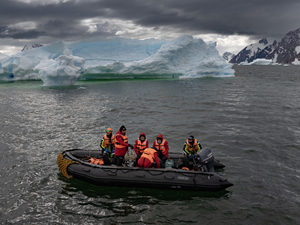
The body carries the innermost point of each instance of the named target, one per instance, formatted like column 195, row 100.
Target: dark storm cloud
column 256, row 18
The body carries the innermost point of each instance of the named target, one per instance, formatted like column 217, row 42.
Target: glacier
column 62, row 63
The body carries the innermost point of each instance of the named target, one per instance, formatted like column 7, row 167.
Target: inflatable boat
column 75, row 163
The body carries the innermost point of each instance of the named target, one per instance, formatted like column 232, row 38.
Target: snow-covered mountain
column 253, row 51
column 31, row 46
column 228, row 56
column 286, row 51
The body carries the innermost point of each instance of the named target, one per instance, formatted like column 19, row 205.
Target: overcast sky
column 233, row 24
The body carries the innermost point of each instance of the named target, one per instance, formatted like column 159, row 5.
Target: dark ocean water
column 250, row 122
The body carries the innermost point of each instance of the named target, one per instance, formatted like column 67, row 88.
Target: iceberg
column 65, row 62
column 63, row 71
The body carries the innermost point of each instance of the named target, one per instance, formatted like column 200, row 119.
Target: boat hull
column 169, row 178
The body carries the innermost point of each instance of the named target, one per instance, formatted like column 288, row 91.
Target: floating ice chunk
column 296, row 62
column 245, row 63
column 261, row 62
column 62, row 71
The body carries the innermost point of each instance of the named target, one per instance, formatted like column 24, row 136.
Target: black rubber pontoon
column 76, row 165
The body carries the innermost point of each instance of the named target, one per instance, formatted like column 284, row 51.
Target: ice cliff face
column 64, row 70
column 119, row 58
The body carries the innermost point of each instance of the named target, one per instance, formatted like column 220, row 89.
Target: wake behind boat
column 75, row 163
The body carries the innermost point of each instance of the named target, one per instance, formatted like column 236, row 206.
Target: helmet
column 108, row 130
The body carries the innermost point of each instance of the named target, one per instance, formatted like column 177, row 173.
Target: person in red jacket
column 162, row 147
column 149, row 159
column 140, row 145
column 121, row 146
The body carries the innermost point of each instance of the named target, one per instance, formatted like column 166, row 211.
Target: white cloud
column 230, row 43
column 43, row 2
column 9, row 49
column 28, row 25
column 127, row 29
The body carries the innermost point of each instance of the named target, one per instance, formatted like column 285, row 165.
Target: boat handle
column 86, row 170
column 169, row 178
column 111, row 174
column 142, row 175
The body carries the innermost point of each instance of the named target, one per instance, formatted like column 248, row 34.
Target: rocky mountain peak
column 31, row 46
column 228, row 56
column 263, row 41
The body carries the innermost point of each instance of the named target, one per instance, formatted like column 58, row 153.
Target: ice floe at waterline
column 116, row 58
column 64, row 70
column 259, row 62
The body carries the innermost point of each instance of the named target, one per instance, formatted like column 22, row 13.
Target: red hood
column 119, row 132
column 143, row 134
column 160, row 136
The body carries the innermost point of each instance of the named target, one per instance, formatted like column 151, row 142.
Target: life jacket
column 161, row 146
column 149, row 154
column 96, row 161
column 117, row 144
column 190, row 147
column 106, row 140
column 141, row 146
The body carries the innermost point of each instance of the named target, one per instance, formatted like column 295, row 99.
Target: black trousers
column 162, row 157
column 118, row 160
column 106, row 159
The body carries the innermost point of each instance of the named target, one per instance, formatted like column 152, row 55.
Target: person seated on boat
column 108, row 146
column 162, row 147
column 140, row 145
column 121, row 146
column 191, row 148
column 149, row 159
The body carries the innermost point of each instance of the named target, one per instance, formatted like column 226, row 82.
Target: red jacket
column 166, row 153
column 136, row 142
column 146, row 163
column 120, row 151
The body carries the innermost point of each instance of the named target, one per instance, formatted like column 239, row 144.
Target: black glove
column 129, row 145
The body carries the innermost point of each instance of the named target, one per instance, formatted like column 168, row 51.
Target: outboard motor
column 206, row 160
column 130, row 157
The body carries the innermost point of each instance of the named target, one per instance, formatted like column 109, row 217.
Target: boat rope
column 63, row 164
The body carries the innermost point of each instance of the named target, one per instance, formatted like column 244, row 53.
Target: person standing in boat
column 191, row 148
column 162, row 148
column 149, row 159
column 140, row 145
column 108, row 146
column 121, row 146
